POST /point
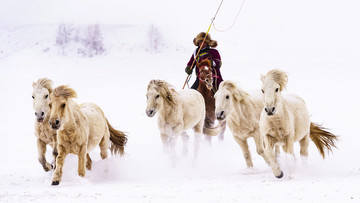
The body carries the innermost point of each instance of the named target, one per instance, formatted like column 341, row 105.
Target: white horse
column 80, row 128
column 177, row 112
column 285, row 120
column 242, row 114
column 44, row 133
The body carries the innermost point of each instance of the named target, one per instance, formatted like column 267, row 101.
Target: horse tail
column 118, row 140
column 322, row 138
column 213, row 131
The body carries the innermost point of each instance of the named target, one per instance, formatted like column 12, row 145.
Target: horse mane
column 44, row 83
column 205, row 62
column 64, row 91
column 239, row 94
column 279, row 77
column 166, row 91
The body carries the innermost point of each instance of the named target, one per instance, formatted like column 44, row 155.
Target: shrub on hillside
column 83, row 40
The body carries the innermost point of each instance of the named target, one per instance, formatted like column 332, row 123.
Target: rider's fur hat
column 200, row 37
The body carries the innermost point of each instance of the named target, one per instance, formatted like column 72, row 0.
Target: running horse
column 285, row 119
column 80, row 128
column 207, row 78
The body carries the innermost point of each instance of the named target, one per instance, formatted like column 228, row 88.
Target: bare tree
column 154, row 39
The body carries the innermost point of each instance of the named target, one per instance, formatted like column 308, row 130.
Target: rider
column 207, row 51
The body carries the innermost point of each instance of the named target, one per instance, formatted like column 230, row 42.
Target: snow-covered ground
column 315, row 42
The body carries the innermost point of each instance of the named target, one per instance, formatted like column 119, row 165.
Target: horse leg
column 88, row 162
column 208, row 139
column 270, row 154
column 165, row 138
column 260, row 148
column 304, row 145
column 55, row 154
column 245, row 148
column 208, row 124
column 42, row 150
column 104, row 146
column 59, row 165
column 198, row 129
column 277, row 151
column 288, row 148
column 172, row 145
column 185, row 141
column 81, row 160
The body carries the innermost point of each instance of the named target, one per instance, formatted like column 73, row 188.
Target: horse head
column 158, row 93
column 60, row 98
column 227, row 96
column 41, row 98
column 272, row 85
column 206, row 75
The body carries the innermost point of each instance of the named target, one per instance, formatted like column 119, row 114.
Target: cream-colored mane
column 166, row 91
column 65, row 92
column 280, row 77
column 238, row 94
column 43, row 83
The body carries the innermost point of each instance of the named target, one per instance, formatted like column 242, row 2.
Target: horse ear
column 33, row 84
column 262, row 77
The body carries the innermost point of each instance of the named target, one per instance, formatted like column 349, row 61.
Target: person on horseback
column 207, row 51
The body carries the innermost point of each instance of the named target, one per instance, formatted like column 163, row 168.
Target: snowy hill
column 316, row 43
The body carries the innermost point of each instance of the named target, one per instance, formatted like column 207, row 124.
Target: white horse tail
column 213, row 131
column 322, row 138
column 118, row 140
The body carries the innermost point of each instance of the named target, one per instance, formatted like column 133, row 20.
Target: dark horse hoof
column 281, row 175
column 55, row 183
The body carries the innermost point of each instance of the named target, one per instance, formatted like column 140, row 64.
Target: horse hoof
column 281, row 175
column 55, row 183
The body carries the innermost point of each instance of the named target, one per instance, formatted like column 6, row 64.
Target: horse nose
column 221, row 115
column 55, row 125
column 270, row 110
column 39, row 116
column 150, row 112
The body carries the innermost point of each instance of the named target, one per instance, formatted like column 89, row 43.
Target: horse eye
column 63, row 106
column 262, row 91
column 157, row 96
column 46, row 96
column 33, row 97
column 227, row 97
column 277, row 89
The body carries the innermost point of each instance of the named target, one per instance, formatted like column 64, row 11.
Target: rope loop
column 233, row 23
